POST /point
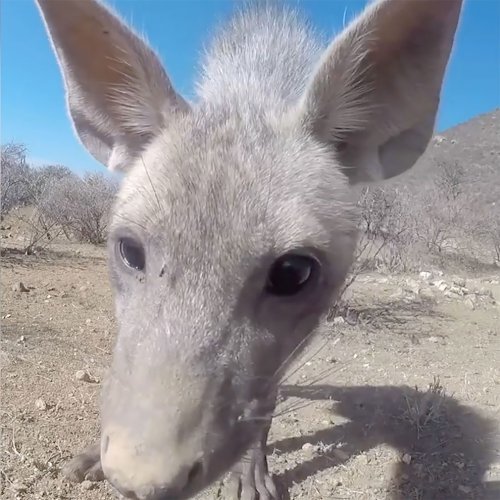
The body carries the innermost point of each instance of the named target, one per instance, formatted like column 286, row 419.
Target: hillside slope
column 475, row 146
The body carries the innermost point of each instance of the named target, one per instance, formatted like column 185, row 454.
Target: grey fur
column 216, row 190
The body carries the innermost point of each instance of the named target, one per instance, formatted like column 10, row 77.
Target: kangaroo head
column 235, row 225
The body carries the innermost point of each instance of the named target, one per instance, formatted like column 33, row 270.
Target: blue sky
column 32, row 103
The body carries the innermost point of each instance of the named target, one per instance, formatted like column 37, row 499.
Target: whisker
column 298, row 406
column 284, row 363
column 324, row 373
column 315, row 353
column 131, row 221
column 152, row 185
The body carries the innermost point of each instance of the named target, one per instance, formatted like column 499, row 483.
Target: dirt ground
column 399, row 402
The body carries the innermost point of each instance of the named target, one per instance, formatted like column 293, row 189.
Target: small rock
column 21, row 339
column 309, row 449
column 465, row 489
column 426, row 293
column 425, row 275
column 7, row 316
column 460, row 282
column 19, row 487
column 412, row 285
column 442, row 287
column 338, row 320
column 19, row 287
column 88, row 321
column 433, row 339
column 83, row 376
column 406, row 458
column 41, row 404
column 352, row 317
column 469, row 303
column 88, row 485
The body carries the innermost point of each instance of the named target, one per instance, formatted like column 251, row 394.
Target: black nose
column 146, row 494
column 162, row 492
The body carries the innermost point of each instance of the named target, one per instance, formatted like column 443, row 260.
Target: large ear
column 118, row 93
column 375, row 94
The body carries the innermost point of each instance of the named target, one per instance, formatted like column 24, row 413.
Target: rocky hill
column 475, row 146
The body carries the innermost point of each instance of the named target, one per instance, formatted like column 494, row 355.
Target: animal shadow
column 448, row 446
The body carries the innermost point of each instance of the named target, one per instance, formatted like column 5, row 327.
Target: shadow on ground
column 451, row 446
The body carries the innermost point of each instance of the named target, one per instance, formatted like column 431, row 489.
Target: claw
column 85, row 466
column 251, row 480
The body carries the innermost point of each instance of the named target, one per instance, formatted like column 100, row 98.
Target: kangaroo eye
column 132, row 254
column 290, row 274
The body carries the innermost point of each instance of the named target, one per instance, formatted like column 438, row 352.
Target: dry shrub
column 81, row 206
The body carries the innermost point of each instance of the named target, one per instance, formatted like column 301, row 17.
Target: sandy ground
column 402, row 402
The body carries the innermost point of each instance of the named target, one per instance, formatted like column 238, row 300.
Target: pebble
column 19, row 287
column 469, row 303
column 425, row 275
column 41, row 404
column 426, row 293
column 309, row 448
column 83, row 376
column 19, row 487
column 88, row 485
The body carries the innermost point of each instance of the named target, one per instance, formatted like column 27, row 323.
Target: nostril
column 195, row 472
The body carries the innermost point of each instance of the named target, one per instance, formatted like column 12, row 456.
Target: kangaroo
column 236, row 220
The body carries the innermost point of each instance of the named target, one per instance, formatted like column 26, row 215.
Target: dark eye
column 132, row 253
column 290, row 274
